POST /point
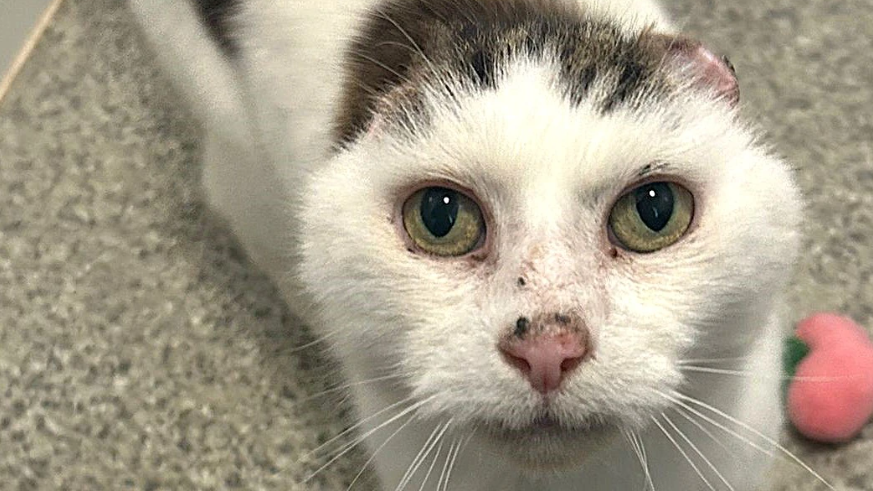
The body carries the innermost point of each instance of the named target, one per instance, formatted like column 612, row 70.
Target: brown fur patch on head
column 406, row 46
column 216, row 16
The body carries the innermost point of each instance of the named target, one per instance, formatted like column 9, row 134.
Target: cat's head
column 533, row 219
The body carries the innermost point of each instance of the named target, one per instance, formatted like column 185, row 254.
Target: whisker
column 635, row 444
column 407, row 36
column 385, row 67
column 682, row 412
column 432, row 464
column 442, row 478
column 760, row 435
column 697, row 450
column 646, row 469
column 682, row 451
column 318, row 340
column 366, row 435
column 357, row 425
column 720, row 426
column 431, row 442
column 350, row 385
column 714, row 360
column 747, row 373
column 458, row 451
column 380, row 447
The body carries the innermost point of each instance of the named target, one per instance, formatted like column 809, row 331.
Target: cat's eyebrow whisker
column 682, row 452
column 380, row 447
column 697, row 451
column 435, row 436
column 408, row 37
column 381, row 65
column 784, row 451
column 347, row 448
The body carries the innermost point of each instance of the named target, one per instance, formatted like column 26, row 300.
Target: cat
column 528, row 229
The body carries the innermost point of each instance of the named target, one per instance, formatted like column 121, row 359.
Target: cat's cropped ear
column 694, row 60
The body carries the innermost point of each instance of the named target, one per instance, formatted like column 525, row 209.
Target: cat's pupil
column 439, row 210
column 655, row 204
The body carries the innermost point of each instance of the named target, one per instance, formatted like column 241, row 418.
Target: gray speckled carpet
column 139, row 349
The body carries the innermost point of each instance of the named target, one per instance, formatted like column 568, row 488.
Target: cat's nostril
column 546, row 360
column 571, row 363
column 516, row 361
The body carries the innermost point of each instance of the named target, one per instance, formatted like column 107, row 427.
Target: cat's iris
column 443, row 221
column 651, row 216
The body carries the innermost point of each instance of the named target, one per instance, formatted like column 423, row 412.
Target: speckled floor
column 138, row 348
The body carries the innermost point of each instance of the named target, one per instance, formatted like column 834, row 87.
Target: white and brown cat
column 525, row 228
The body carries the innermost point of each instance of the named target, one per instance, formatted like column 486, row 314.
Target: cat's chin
column 545, row 445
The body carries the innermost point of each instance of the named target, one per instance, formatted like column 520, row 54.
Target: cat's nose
column 546, row 360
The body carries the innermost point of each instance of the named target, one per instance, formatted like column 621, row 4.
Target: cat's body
column 311, row 157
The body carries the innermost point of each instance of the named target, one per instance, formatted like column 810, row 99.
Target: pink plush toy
column 830, row 398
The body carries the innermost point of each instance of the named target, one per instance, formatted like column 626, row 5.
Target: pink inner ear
column 708, row 69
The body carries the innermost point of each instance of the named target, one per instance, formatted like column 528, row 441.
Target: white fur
column 325, row 227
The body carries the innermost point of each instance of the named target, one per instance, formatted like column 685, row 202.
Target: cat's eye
column 651, row 216
column 443, row 222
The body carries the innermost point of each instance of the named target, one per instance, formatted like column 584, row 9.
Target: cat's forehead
column 524, row 138
column 408, row 48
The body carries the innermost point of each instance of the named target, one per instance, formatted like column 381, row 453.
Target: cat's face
column 546, row 176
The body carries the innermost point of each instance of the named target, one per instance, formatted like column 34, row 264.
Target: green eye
column 443, row 222
column 652, row 216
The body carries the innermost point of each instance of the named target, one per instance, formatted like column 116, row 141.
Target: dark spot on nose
column 562, row 319
column 521, row 281
column 521, row 326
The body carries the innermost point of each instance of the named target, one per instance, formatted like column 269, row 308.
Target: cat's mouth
column 549, row 426
column 547, row 443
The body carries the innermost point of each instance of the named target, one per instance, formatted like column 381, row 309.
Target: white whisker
column 755, row 375
column 350, row 385
column 458, row 451
column 435, row 436
column 642, row 445
column 363, row 437
column 432, row 464
column 757, row 433
column 380, row 447
column 636, row 446
column 383, row 66
column 305, row 346
column 682, row 412
column 409, row 38
column 442, row 478
column 355, row 426
column 697, row 451
column 682, row 451
column 720, row 426
column 741, row 359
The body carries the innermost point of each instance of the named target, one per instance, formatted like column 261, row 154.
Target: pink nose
column 547, row 359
